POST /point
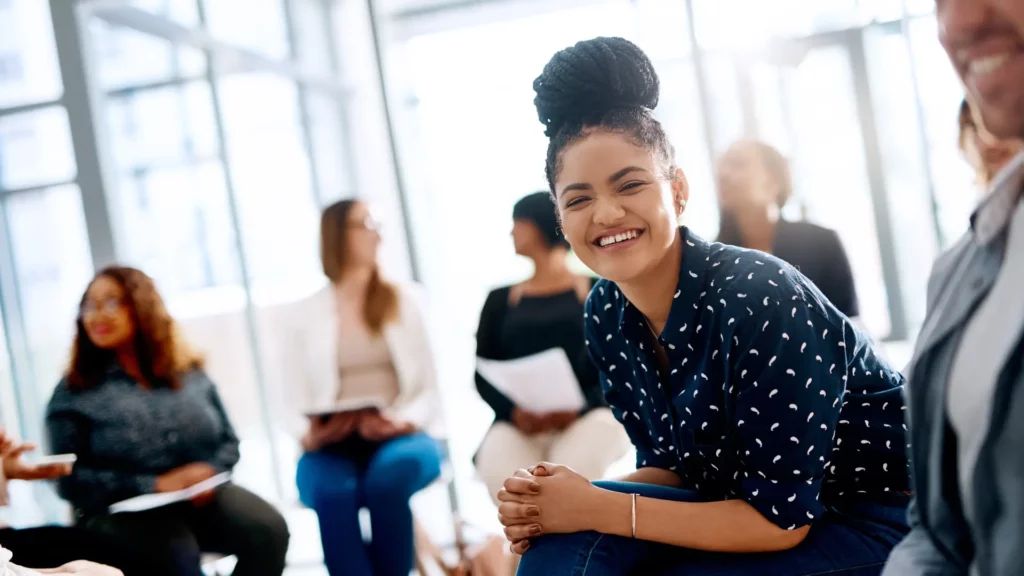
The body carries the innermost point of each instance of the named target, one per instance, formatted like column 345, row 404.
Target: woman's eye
column 575, row 202
column 631, row 186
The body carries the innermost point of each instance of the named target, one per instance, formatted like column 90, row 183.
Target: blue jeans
column 853, row 542
column 337, row 486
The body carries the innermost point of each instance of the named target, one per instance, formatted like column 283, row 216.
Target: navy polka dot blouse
column 773, row 396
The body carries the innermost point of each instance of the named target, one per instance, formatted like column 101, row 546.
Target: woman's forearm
column 655, row 476
column 726, row 526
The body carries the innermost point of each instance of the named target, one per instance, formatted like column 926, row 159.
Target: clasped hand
column 546, row 499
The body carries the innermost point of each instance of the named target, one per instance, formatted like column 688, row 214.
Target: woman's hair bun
column 583, row 82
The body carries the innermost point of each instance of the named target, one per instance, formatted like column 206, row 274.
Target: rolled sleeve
column 787, row 411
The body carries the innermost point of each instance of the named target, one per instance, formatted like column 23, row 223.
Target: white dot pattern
column 778, row 445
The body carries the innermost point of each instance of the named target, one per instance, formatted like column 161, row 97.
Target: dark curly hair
column 604, row 83
column 162, row 353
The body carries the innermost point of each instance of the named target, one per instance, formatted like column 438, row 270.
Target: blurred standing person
column 986, row 153
column 363, row 337
column 754, row 184
column 143, row 418
column 966, row 389
column 544, row 312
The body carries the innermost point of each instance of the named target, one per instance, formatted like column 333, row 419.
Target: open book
column 160, row 499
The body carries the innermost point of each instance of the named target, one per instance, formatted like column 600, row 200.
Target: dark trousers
column 169, row 540
column 854, row 541
column 53, row 546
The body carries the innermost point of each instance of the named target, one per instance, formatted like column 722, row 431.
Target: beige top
column 365, row 368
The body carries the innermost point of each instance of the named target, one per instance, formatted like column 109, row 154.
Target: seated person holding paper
column 49, row 545
column 542, row 313
column 362, row 339
column 143, row 418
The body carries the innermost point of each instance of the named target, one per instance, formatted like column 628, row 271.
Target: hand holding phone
column 43, row 468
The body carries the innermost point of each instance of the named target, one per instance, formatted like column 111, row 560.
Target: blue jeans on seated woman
column 852, row 542
column 339, row 481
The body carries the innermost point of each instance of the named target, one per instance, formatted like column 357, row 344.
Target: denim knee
column 400, row 480
column 567, row 554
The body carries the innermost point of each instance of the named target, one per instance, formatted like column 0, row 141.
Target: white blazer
column 315, row 373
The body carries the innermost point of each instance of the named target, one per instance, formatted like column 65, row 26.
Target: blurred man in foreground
column 966, row 386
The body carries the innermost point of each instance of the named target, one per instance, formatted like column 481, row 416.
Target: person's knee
column 566, row 553
column 273, row 532
column 401, row 478
column 331, row 493
column 497, row 458
column 266, row 538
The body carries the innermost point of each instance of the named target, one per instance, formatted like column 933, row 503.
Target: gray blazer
column 940, row 542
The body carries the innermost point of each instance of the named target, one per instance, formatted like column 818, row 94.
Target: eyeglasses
column 106, row 306
column 367, row 223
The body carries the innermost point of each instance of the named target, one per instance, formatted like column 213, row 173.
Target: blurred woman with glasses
column 363, row 338
column 141, row 415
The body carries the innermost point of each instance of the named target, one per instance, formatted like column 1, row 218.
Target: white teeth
column 609, row 240
column 988, row 64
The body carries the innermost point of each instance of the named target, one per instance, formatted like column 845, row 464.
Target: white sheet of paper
column 158, row 500
column 543, row 382
column 349, row 405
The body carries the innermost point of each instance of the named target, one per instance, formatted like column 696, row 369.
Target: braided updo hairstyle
column 603, row 83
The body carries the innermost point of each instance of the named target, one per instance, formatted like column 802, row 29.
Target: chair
column 428, row 553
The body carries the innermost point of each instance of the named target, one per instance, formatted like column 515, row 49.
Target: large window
column 209, row 133
column 46, row 259
column 52, row 266
column 28, row 56
column 807, row 76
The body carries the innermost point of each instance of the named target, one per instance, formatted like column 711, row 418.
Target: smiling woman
column 736, row 380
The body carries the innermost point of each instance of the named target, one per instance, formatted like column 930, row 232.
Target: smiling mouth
column 614, row 239
column 988, row 64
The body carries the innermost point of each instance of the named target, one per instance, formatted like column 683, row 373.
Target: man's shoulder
column 949, row 266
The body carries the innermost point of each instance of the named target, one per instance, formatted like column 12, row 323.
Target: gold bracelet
column 634, row 515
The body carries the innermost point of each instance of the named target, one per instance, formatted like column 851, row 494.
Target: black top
column 533, row 325
column 818, row 253
column 773, row 395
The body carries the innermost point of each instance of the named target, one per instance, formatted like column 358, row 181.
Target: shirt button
column 172, row 437
column 977, row 284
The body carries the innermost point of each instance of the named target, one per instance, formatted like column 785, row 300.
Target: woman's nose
column 608, row 211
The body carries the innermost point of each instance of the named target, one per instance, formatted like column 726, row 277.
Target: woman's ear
column 680, row 191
